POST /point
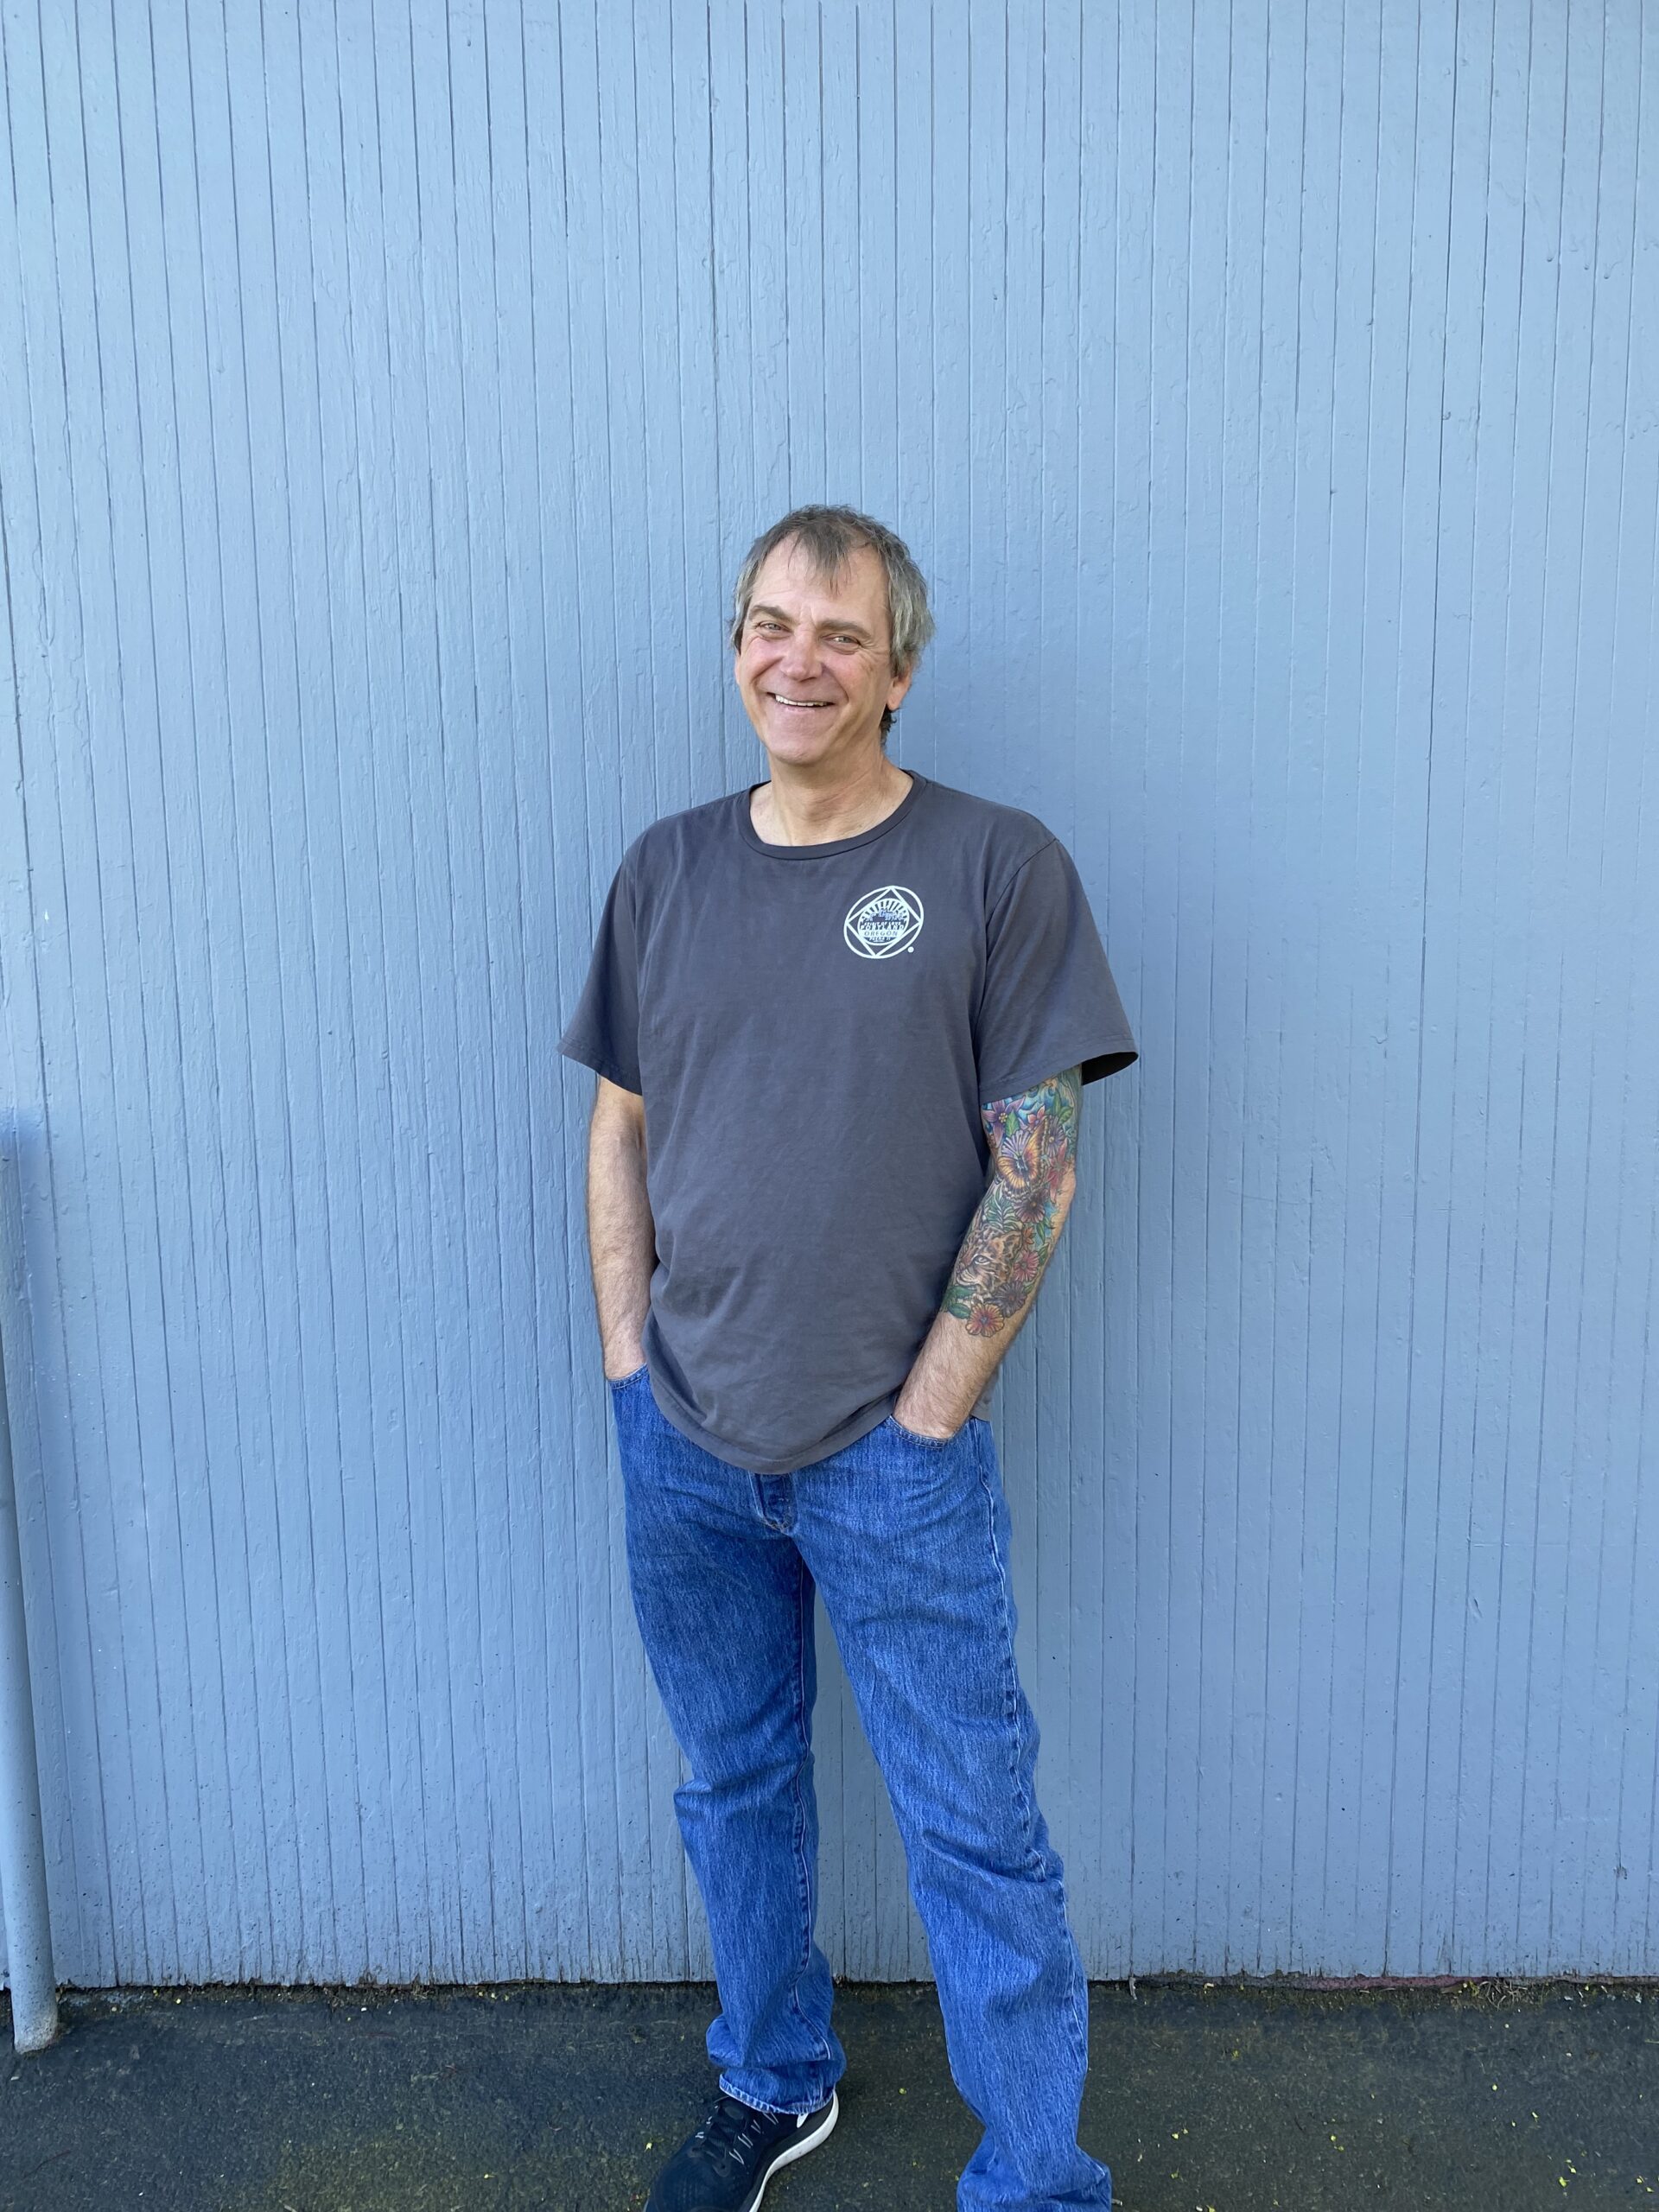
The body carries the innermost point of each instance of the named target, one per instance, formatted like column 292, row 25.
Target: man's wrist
column 922, row 1416
column 916, row 1428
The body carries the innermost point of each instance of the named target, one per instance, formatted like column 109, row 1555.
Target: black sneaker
column 725, row 2165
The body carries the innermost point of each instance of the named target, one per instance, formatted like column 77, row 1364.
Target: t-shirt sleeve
column 1049, row 1002
column 603, row 1033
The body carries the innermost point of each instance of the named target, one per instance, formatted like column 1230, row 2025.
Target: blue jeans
column 908, row 1539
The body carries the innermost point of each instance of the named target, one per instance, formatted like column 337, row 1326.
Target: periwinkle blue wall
column 1272, row 393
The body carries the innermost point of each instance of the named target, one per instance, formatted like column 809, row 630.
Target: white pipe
column 23, row 1848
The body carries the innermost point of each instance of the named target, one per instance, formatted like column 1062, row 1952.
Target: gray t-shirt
column 814, row 1029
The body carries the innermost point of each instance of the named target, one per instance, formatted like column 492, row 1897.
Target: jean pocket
column 621, row 1381
column 926, row 1443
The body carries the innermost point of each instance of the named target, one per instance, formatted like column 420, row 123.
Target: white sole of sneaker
column 799, row 2150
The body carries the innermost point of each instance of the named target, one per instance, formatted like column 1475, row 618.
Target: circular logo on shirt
column 884, row 922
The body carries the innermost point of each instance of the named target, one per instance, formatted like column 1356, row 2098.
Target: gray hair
column 829, row 536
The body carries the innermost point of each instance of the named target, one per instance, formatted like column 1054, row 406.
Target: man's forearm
column 1034, row 1140
column 621, row 1235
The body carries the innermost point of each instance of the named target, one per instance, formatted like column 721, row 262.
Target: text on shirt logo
column 883, row 922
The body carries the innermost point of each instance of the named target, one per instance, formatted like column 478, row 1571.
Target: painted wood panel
column 386, row 397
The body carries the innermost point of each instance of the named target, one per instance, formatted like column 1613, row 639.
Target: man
column 840, row 1021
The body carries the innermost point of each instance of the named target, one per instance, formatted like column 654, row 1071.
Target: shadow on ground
column 1201, row 2098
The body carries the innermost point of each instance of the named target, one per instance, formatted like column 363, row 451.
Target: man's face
column 814, row 666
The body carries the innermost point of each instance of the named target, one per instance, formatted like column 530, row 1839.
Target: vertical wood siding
column 1272, row 394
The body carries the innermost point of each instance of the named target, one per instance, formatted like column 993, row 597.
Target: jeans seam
column 1078, row 2008
column 1079, row 1997
column 1077, row 2017
column 802, row 1629
column 1010, row 1674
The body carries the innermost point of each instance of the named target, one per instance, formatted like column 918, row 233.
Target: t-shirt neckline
column 830, row 846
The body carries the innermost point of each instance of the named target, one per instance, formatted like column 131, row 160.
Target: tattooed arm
column 1033, row 1140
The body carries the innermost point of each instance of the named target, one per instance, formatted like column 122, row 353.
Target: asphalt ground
column 1202, row 2097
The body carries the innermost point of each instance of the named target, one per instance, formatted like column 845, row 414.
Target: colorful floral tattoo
column 1033, row 1142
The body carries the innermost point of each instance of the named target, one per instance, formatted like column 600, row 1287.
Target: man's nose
column 801, row 657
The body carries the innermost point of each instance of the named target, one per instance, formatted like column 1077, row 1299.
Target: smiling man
column 841, row 1021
